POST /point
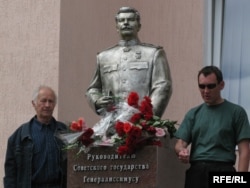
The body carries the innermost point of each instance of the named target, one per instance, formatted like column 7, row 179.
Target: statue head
column 128, row 23
column 128, row 10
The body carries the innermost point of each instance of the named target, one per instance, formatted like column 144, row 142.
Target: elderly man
column 34, row 157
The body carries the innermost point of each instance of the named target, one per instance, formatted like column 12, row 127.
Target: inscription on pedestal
column 102, row 166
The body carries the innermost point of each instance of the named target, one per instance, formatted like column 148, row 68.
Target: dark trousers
column 198, row 173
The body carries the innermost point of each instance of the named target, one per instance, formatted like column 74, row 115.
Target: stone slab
column 151, row 167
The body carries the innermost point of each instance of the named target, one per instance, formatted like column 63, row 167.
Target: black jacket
column 18, row 161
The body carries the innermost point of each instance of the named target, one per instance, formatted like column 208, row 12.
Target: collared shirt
column 45, row 163
column 129, row 43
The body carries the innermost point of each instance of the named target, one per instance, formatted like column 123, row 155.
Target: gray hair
column 126, row 10
column 38, row 89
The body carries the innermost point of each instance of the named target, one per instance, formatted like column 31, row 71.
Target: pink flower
column 159, row 132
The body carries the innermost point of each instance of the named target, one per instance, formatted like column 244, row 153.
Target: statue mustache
column 126, row 27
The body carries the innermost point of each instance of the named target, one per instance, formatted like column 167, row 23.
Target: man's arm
column 182, row 151
column 244, row 155
column 10, row 178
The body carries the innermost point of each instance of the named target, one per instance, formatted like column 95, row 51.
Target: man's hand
column 183, row 155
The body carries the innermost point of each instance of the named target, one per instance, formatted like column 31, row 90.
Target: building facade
column 55, row 42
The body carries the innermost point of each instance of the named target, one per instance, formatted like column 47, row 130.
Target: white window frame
column 213, row 23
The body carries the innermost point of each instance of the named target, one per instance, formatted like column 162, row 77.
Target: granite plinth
column 150, row 167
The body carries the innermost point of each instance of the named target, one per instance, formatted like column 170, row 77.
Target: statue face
column 127, row 25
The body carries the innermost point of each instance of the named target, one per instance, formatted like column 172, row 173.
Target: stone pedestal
column 151, row 167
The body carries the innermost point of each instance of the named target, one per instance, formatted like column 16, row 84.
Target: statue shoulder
column 151, row 45
column 108, row 49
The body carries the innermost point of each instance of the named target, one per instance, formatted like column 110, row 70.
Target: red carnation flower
column 119, row 128
column 86, row 137
column 87, row 141
column 133, row 99
column 135, row 131
column 148, row 116
column 144, row 124
column 151, row 130
column 127, row 127
column 122, row 150
column 88, row 133
column 146, row 106
column 135, row 118
column 75, row 126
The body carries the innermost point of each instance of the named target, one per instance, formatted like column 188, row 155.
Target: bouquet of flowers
column 135, row 126
column 78, row 136
column 142, row 128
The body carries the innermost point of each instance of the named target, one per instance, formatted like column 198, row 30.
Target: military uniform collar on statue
column 128, row 43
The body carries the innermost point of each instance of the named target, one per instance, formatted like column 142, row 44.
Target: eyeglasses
column 209, row 86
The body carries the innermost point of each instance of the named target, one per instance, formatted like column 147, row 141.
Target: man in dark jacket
column 34, row 157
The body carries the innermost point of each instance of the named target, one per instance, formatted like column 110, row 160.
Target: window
column 227, row 45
